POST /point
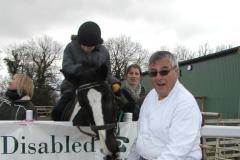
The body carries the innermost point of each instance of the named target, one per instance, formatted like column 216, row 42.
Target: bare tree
column 124, row 52
column 4, row 79
column 45, row 52
column 164, row 48
column 3, row 84
column 38, row 59
column 204, row 50
column 223, row 47
column 1, row 58
column 182, row 53
column 19, row 60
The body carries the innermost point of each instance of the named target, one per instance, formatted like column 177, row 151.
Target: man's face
column 164, row 83
column 87, row 49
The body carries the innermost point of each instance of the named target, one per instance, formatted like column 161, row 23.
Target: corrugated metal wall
column 146, row 82
column 217, row 79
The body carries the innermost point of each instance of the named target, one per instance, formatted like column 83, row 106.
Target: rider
column 86, row 46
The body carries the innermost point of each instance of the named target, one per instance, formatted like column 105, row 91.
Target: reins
column 97, row 128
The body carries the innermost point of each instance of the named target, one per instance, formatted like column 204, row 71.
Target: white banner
column 40, row 140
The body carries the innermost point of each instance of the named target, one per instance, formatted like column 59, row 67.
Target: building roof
column 211, row 56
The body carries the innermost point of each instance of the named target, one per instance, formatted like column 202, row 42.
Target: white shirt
column 168, row 129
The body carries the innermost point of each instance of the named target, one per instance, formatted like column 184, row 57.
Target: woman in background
column 132, row 92
column 17, row 99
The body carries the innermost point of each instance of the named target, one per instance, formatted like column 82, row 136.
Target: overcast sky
column 152, row 23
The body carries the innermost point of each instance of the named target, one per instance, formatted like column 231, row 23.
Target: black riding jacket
column 15, row 110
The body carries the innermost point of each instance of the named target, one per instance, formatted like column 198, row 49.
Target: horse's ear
column 102, row 72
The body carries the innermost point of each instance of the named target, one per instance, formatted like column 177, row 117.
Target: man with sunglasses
column 170, row 120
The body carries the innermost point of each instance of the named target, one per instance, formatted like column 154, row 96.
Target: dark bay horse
column 96, row 107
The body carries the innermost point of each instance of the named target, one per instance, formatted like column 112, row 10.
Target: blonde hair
column 24, row 85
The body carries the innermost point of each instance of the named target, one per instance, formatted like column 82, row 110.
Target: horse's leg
column 95, row 98
column 111, row 140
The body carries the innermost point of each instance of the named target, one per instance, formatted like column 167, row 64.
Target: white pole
column 220, row 131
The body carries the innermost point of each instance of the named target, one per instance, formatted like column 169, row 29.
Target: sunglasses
column 163, row 72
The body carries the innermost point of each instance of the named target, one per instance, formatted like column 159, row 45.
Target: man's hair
column 163, row 54
column 24, row 85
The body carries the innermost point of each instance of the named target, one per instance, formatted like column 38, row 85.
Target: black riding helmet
column 89, row 34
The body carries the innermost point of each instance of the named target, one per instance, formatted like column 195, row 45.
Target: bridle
column 95, row 128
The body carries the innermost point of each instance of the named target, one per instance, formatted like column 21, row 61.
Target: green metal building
column 214, row 80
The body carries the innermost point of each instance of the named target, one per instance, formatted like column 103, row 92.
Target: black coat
column 16, row 110
column 130, row 104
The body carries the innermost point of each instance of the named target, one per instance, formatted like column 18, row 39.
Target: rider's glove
column 116, row 87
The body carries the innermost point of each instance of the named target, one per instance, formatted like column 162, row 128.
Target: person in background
column 86, row 47
column 17, row 99
column 170, row 120
column 132, row 92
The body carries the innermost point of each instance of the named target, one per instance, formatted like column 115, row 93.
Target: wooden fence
column 220, row 148
column 44, row 111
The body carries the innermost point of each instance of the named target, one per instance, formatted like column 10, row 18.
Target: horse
column 98, row 107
